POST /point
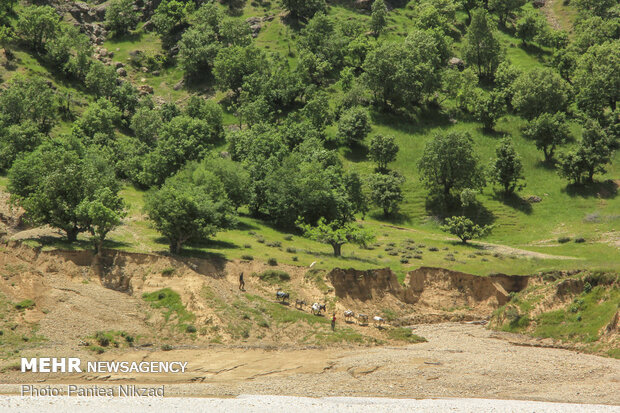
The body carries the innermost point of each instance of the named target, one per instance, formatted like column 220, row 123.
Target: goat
column 378, row 321
column 348, row 314
column 300, row 304
column 362, row 319
column 317, row 308
column 282, row 296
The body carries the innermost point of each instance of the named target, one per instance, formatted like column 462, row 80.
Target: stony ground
column 458, row 361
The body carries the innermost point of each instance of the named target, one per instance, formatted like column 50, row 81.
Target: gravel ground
column 249, row 404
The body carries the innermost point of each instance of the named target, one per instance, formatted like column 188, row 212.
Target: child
column 334, row 322
column 241, row 282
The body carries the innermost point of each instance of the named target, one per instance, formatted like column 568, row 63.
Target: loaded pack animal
column 282, row 296
column 300, row 304
column 317, row 308
column 362, row 319
column 348, row 315
column 378, row 321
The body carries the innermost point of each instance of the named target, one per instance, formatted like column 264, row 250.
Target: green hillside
column 549, row 224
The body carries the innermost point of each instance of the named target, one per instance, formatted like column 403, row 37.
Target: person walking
column 241, row 282
column 334, row 322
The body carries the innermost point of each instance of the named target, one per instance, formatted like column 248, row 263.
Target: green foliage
column 540, row 91
column 354, row 125
column 17, row 140
column 38, row 24
column 337, row 234
column 146, row 124
column 182, row 139
column 386, row 191
column 449, row 165
column 98, row 123
column 504, row 8
column 24, row 305
column 170, row 301
column 29, row 99
column 531, row 26
column 120, row 17
column 597, row 79
column 403, row 74
column 101, row 80
column 198, row 49
column 590, row 157
column 548, row 131
column 304, row 9
column 378, row 17
column 405, row 334
column 489, row 108
column 52, row 182
column 464, row 228
column 182, row 210
column 169, row 18
column 274, row 276
column 70, row 52
column 382, row 151
column 482, row 49
column 233, row 63
column 507, row 169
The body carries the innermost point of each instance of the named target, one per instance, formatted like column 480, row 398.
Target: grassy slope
column 534, row 228
column 581, row 319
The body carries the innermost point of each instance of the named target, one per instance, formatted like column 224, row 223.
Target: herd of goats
column 317, row 309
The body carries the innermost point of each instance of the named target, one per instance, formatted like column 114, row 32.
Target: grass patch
column 24, row 305
column 405, row 334
column 274, row 276
column 171, row 303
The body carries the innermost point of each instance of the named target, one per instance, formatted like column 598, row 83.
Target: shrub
column 102, row 338
column 274, row 276
column 417, row 257
column 563, row 240
column 272, row 261
column 276, row 244
column 291, row 250
column 166, row 347
column 167, row 271
column 260, row 240
column 22, row 305
column 190, row 328
column 247, row 246
column 288, row 238
column 295, row 258
column 434, row 249
column 97, row 349
column 580, row 240
column 404, row 261
column 247, row 257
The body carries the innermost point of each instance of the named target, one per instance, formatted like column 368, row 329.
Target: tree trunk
column 72, row 234
column 175, row 246
column 337, row 249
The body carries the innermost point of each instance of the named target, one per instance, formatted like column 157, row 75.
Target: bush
column 22, row 305
column 247, row 246
column 434, row 249
column 288, row 238
column 274, row 276
column 275, row 244
column 295, row 258
column 260, row 240
column 190, row 328
column 247, row 257
column 291, row 250
column 167, row 271
column 563, row 240
column 102, row 338
column 580, row 240
column 272, row 261
column 166, row 347
column 404, row 261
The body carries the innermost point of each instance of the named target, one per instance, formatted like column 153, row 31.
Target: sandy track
column 459, row 360
column 250, row 404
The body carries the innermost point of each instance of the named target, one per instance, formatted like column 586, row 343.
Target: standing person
column 334, row 322
column 241, row 282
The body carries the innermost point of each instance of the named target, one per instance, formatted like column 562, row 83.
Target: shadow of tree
column 514, row 201
column 606, row 190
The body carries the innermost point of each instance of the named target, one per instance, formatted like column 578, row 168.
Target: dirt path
column 459, row 360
